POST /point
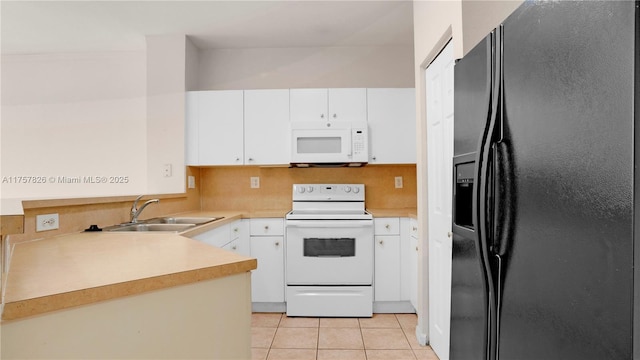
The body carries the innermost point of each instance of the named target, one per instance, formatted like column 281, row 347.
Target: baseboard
column 268, row 307
column 393, row 307
column 422, row 337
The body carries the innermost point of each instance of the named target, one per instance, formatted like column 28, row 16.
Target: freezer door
column 469, row 292
column 472, row 91
column 568, row 128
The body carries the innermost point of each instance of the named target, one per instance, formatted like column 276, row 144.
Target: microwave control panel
column 359, row 140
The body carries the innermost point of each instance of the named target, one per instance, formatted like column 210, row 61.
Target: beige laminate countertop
column 402, row 212
column 83, row 268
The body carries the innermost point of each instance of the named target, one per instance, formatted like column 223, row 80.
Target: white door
column 439, row 101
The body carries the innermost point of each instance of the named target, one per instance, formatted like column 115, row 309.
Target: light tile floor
column 384, row 336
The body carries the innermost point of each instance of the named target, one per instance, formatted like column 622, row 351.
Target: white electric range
column 329, row 252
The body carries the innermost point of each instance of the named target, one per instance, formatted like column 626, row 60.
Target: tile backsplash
column 230, row 187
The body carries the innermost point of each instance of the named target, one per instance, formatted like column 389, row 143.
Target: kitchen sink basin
column 151, row 227
column 182, row 220
column 170, row 224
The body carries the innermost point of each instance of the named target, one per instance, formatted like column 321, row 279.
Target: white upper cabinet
column 215, row 124
column 191, row 129
column 308, row 104
column 348, row 105
column 266, row 127
column 251, row 127
column 328, row 104
column 392, row 125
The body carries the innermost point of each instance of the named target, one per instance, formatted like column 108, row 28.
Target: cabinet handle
column 321, row 116
column 277, row 243
column 266, row 227
column 235, row 230
column 415, row 228
column 335, row 116
column 250, row 159
column 416, row 248
column 449, row 234
column 237, row 158
column 373, row 158
column 234, row 247
column 388, row 226
column 380, row 242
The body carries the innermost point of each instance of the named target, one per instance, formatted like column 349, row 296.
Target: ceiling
column 31, row 27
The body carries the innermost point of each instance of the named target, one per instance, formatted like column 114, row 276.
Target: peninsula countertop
column 82, row 268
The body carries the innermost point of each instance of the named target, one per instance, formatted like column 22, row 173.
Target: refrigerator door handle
column 503, row 202
column 483, row 206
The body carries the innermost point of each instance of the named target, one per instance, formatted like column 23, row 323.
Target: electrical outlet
column 255, row 182
column 166, row 170
column 191, row 182
column 47, row 222
column 398, row 182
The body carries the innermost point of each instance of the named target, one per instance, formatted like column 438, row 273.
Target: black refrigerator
column 544, row 203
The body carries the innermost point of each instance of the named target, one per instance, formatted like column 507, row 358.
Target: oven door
column 329, row 252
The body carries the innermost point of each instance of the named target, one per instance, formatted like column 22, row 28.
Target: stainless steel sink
column 181, row 220
column 168, row 224
column 151, row 227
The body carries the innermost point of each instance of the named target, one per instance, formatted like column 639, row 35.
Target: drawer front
column 267, row 227
column 217, row 237
column 413, row 228
column 234, row 229
column 387, row 226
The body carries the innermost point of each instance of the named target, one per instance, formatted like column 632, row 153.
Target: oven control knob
column 347, row 189
column 301, row 189
column 309, row 188
column 356, row 190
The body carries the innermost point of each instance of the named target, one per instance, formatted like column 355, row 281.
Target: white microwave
column 321, row 143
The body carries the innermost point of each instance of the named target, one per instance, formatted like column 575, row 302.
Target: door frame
column 422, row 329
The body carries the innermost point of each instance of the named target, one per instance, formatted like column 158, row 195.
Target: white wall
column 166, row 84
column 305, row 67
column 73, row 115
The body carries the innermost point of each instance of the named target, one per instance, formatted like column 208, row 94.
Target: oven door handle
column 329, row 223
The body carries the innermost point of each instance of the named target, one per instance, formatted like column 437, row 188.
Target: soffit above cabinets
column 30, row 27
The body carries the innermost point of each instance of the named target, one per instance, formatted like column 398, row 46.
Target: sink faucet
column 135, row 212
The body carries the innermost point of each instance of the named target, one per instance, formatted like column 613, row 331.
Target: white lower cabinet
column 233, row 237
column 387, row 268
column 239, row 234
column 267, row 246
column 413, row 263
column 395, row 268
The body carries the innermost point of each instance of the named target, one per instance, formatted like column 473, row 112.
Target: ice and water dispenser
column 463, row 194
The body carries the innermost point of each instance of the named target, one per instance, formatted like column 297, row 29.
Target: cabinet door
column 386, row 226
column 413, row 272
column 267, row 281
column 405, row 256
column 191, row 128
column 392, row 126
column 266, row 127
column 348, row 105
column 220, row 133
column 308, row 104
column 387, row 268
column 217, row 237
